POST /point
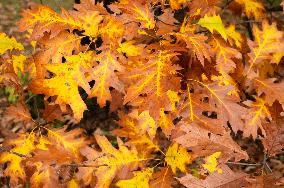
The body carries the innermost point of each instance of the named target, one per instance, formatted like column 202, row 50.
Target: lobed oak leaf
column 105, row 76
column 274, row 140
column 112, row 31
column 213, row 23
column 132, row 127
column 225, row 56
column 66, row 92
column 7, row 43
column 270, row 89
column 265, row 44
column 113, row 161
column 43, row 19
column 234, row 37
column 253, row 8
column 139, row 11
column 197, row 44
column 203, row 142
column 57, row 47
column 140, row 180
column 18, row 113
column 24, row 145
column 44, row 177
column 69, row 140
column 177, row 157
column 160, row 77
column 203, row 7
column 259, row 111
column 227, row 179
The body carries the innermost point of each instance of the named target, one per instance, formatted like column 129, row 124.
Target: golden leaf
column 213, row 23
column 7, row 43
column 211, row 163
column 177, row 157
column 140, row 180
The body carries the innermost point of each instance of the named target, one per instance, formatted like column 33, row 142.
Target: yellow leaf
column 7, row 43
column 211, row 163
column 140, row 180
column 73, row 184
column 18, row 63
column 129, row 48
column 43, row 18
column 177, row 157
column 69, row 140
column 42, row 143
column 145, row 123
column 253, row 8
column 113, row 160
column 174, row 99
column 213, row 23
column 267, row 42
column 105, row 76
column 24, row 145
column 234, row 37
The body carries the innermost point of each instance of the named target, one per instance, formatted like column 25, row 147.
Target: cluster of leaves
column 189, row 78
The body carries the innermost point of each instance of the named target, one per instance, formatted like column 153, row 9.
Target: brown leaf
column 228, row 179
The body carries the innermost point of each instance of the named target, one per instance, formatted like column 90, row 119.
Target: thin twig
column 244, row 164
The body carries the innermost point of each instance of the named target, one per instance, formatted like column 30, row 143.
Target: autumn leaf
column 140, row 180
column 213, row 23
column 130, row 49
column 271, row 90
column 113, row 160
column 18, row 113
column 211, row 163
column 196, row 43
column 227, row 178
column 225, row 56
column 139, row 11
column 105, row 76
column 254, row 120
column 162, row 178
column 177, row 157
column 43, row 19
column 56, row 48
column 265, row 44
column 69, row 140
column 252, row 8
column 24, row 145
column 155, row 78
column 7, row 43
column 140, row 129
column 64, row 87
column 203, row 142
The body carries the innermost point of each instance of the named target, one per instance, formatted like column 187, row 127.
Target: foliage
column 190, row 77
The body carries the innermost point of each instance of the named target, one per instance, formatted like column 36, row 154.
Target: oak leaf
column 113, row 160
column 213, row 23
column 140, row 180
column 252, row 8
column 265, row 44
column 211, row 163
column 177, row 157
column 7, row 43
column 227, row 179
column 105, row 76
